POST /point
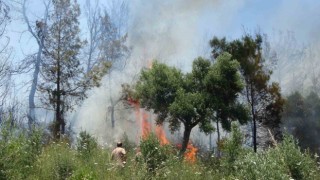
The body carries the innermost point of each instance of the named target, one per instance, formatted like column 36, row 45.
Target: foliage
column 263, row 98
column 153, row 153
column 301, row 119
column 86, row 145
column 24, row 157
column 64, row 81
column 232, row 148
column 283, row 162
column 18, row 152
column 57, row 162
column 301, row 165
column 261, row 165
column 192, row 98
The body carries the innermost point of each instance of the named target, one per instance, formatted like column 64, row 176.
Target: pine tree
column 62, row 75
column 263, row 98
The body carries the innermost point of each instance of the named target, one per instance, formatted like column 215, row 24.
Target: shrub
column 232, row 149
column 153, row 153
column 301, row 165
column 57, row 161
column 18, row 152
column 262, row 165
column 86, row 145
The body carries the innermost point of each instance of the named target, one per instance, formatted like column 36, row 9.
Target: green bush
column 262, row 165
column 58, row 161
column 153, row 153
column 301, row 165
column 232, row 149
column 285, row 161
column 86, row 145
column 18, row 152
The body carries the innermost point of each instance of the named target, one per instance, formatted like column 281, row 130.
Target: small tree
column 86, row 144
column 185, row 98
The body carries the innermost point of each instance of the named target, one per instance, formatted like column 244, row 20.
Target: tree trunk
column 254, row 135
column 186, row 137
column 218, row 141
column 31, row 113
column 253, row 112
column 58, row 123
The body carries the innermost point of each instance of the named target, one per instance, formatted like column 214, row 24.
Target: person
column 119, row 155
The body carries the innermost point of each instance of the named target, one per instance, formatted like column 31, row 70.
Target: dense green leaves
column 192, row 98
column 265, row 100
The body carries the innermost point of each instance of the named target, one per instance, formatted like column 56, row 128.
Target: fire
column 142, row 117
column 161, row 135
column 145, row 125
column 191, row 153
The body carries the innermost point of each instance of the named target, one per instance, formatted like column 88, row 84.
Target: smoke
column 163, row 30
column 177, row 31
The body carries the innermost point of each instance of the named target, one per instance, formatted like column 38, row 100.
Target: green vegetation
column 209, row 92
column 301, row 119
column 25, row 157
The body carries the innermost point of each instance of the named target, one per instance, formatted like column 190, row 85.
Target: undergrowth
column 24, row 156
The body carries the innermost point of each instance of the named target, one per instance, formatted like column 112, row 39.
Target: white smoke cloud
column 163, row 30
column 173, row 31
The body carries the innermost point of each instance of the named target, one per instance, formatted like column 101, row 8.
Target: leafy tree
column 191, row 98
column 224, row 84
column 301, row 119
column 263, row 98
column 64, row 80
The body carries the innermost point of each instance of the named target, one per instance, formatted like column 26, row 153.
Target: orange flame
column 145, row 125
column 191, row 153
column 161, row 135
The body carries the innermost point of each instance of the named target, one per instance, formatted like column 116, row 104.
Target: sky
column 178, row 31
column 199, row 20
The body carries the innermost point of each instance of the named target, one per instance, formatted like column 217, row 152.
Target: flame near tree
column 143, row 123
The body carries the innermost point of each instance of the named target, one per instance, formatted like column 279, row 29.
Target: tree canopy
column 192, row 98
column 264, row 98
